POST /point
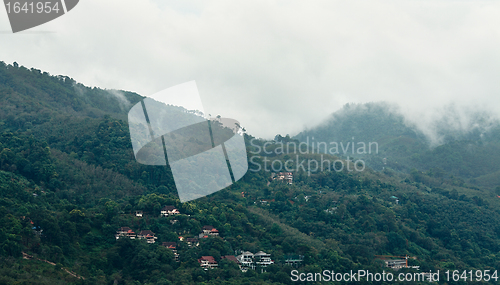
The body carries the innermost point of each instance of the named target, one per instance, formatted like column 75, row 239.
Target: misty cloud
column 279, row 66
column 124, row 103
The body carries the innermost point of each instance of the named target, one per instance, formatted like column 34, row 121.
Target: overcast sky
column 278, row 66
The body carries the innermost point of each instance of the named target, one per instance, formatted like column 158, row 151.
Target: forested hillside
column 69, row 182
column 472, row 155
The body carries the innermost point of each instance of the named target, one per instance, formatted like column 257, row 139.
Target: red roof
column 146, row 233
column 210, row 259
column 230, row 257
column 171, row 245
column 124, row 229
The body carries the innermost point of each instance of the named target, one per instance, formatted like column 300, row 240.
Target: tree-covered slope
column 69, row 181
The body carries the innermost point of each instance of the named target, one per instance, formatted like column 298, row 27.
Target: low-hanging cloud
column 279, row 66
column 120, row 97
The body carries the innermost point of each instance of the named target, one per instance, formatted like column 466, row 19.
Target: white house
column 125, row 232
column 246, row 260
column 207, row 262
column 169, row 211
column 263, row 259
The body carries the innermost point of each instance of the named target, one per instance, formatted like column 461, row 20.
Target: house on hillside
column 37, row 230
column 208, row 231
column 148, row 235
column 283, row 176
column 169, row 211
column 246, row 261
column 169, row 244
column 396, row 200
column 331, row 210
column 231, row 258
column 172, row 246
column 207, row 262
column 138, row 214
column 192, row 242
column 262, row 259
column 294, row 260
column 396, row 263
column 125, row 232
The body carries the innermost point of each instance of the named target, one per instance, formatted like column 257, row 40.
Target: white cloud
column 278, row 66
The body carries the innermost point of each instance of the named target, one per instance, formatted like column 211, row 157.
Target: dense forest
column 69, row 181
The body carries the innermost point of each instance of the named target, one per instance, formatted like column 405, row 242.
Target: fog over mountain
column 453, row 120
column 279, row 67
column 437, row 125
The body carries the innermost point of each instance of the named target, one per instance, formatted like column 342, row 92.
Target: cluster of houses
column 245, row 260
column 206, row 261
column 148, row 235
column 207, row 231
column 164, row 212
column 190, row 241
column 249, row 260
column 127, row 232
column 283, row 176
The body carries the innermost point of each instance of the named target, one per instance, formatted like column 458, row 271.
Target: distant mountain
column 473, row 155
column 364, row 122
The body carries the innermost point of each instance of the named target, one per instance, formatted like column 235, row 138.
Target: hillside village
column 245, row 260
